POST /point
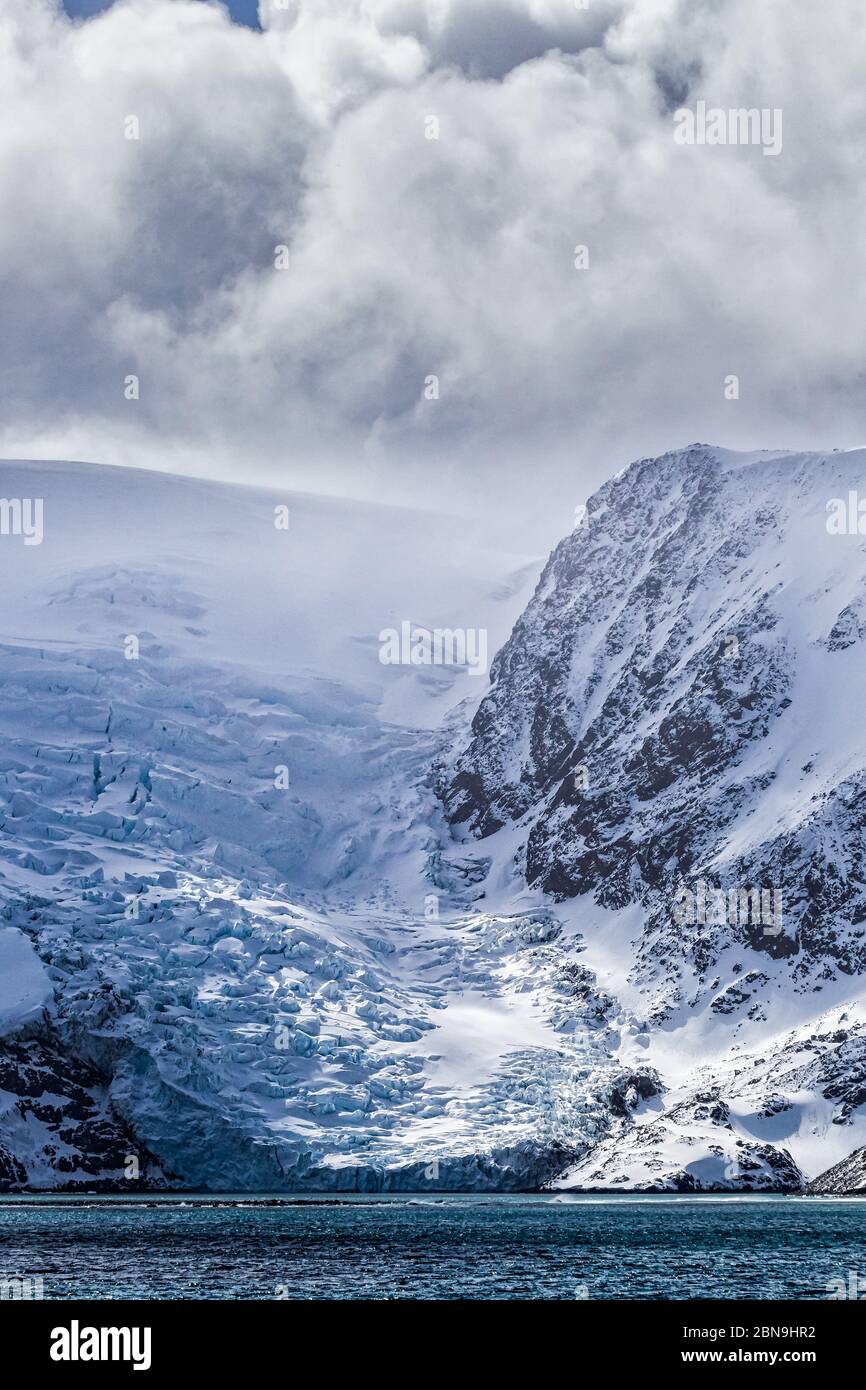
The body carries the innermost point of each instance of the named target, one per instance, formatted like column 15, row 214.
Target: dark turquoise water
column 549, row 1247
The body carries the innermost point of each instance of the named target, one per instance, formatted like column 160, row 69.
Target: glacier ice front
column 25, row 989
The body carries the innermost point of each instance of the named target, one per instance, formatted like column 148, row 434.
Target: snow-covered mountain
column 675, row 715
column 277, row 914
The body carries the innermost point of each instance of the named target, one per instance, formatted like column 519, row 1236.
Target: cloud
column 411, row 257
column 374, row 42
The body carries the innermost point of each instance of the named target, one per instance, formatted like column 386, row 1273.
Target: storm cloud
column 432, row 331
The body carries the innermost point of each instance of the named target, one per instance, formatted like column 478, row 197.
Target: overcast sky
column 413, row 257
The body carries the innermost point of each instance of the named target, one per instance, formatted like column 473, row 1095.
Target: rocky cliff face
column 847, row 1177
column 674, row 707
column 672, row 734
column 59, row 1119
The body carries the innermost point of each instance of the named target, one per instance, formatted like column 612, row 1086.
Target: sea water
column 449, row 1247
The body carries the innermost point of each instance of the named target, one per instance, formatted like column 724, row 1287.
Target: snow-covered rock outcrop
column 672, row 735
column 847, row 1177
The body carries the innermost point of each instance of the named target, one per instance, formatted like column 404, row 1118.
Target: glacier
column 277, row 916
